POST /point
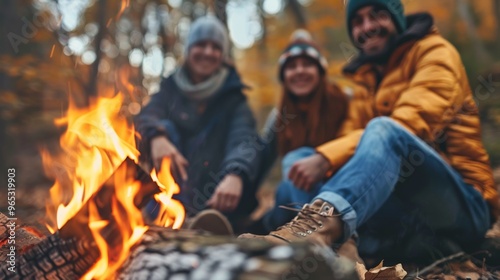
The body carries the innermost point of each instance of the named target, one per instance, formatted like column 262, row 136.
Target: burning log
column 181, row 254
column 53, row 258
column 97, row 195
column 70, row 252
column 164, row 253
column 78, row 226
column 98, row 228
column 12, row 234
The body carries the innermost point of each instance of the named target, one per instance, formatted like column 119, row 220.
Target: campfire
column 95, row 184
column 98, row 230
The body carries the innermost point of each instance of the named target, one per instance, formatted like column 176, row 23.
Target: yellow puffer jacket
column 424, row 88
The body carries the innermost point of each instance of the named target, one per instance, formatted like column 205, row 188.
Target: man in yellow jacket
column 418, row 165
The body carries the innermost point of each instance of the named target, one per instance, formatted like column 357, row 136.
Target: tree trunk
column 496, row 7
column 165, row 47
column 298, row 12
column 220, row 10
column 465, row 13
column 263, row 41
column 94, row 72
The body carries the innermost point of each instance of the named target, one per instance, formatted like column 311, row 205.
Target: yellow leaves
column 380, row 272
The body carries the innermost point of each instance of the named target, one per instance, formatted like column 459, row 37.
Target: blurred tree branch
column 163, row 32
column 263, row 40
column 220, row 10
column 496, row 7
column 298, row 12
column 471, row 28
column 191, row 14
column 101, row 23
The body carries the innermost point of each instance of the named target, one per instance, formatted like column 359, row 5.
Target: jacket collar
column 419, row 25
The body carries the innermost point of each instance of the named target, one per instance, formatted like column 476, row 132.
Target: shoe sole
column 211, row 221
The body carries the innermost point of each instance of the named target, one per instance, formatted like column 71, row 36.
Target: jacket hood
column 419, row 26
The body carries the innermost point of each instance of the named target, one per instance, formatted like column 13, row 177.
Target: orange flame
column 169, row 209
column 97, row 141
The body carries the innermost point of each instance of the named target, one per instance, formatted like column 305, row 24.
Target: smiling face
column 301, row 76
column 204, row 59
column 372, row 29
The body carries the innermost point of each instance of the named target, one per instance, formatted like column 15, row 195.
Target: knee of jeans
column 385, row 126
column 293, row 156
column 284, row 190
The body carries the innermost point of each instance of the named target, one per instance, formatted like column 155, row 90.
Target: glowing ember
column 97, row 141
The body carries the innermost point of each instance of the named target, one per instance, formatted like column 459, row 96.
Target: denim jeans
column 392, row 176
column 287, row 194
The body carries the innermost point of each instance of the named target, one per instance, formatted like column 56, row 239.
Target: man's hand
column 227, row 194
column 160, row 148
column 306, row 172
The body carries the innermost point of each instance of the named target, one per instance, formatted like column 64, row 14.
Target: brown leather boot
column 315, row 223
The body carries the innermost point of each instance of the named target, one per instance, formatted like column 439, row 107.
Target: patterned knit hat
column 302, row 44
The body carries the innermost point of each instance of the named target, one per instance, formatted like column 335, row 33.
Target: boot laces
column 306, row 221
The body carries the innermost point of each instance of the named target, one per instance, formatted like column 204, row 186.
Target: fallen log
column 183, row 254
column 170, row 254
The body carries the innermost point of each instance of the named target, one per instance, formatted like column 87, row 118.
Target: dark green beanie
column 395, row 7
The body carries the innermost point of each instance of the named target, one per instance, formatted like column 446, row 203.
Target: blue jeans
column 392, row 176
column 287, row 193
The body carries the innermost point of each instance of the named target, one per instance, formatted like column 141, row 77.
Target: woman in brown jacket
column 311, row 112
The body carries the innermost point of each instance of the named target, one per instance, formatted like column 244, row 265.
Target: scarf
column 316, row 122
column 201, row 91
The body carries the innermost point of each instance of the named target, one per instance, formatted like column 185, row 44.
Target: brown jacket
column 424, row 88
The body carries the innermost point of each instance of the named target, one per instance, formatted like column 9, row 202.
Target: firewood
column 171, row 254
column 53, row 258
column 69, row 253
column 167, row 254
column 22, row 237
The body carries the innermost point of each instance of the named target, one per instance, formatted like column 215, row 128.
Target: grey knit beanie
column 208, row 28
